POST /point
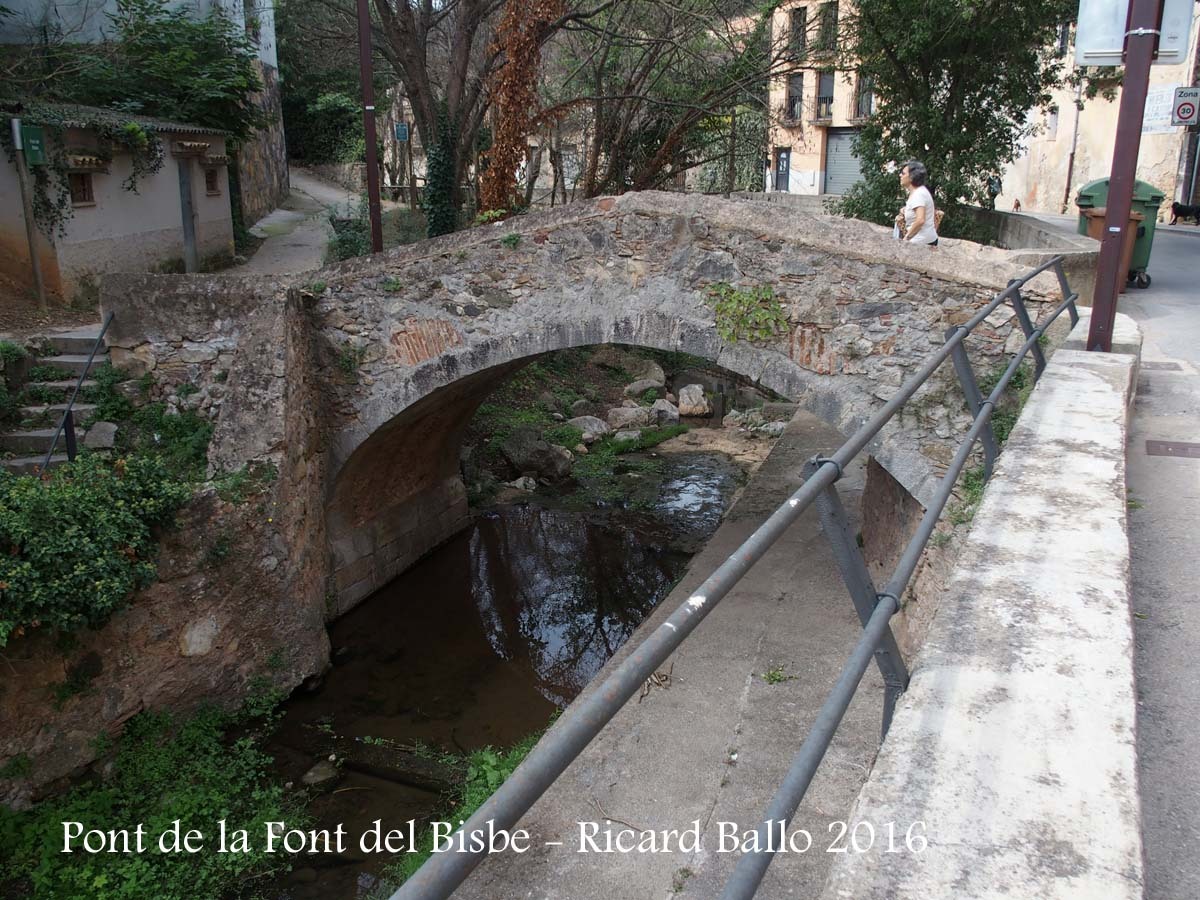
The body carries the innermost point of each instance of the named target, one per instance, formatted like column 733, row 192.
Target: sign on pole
column 34, row 140
column 1186, row 110
column 402, row 132
column 1101, row 32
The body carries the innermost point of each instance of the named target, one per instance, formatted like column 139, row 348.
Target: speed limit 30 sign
column 1186, row 108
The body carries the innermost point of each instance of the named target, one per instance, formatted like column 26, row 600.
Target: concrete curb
column 1015, row 744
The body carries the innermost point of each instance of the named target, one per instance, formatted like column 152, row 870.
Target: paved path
column 1164, row 522
column 715, row 745
column 297, row 233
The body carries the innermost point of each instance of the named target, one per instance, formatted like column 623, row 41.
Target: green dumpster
column 1146, row 200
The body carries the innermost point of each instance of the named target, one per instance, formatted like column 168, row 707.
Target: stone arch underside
column 439, row 324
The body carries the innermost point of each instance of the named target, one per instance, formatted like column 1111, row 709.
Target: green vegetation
column 249, row 481
column 604, row 471
column 197, row 773
column 349, row 359
column 17, row 767
column 777, row 675
column 1011, row 401
column 317, row 287
column 679, row 879
column 487, row 769
column 747, row 314
column 971, row 488
column 392, row 285
column 511, row 241
column 79, row 543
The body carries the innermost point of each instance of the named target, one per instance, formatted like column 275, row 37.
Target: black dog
column 1185, row 212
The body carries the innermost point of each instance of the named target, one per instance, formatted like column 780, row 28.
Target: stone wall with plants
column 231, row 568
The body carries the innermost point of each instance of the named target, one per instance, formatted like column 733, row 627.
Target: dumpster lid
column 1147, row 193
column 1099, row 212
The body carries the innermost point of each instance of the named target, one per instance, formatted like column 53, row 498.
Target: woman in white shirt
column 916, row 223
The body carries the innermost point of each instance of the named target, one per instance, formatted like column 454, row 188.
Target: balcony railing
column 824, row 108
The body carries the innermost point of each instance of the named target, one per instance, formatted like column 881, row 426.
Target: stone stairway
column 23, row 446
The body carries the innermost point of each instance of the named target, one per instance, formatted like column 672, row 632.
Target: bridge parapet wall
column 1015, row 743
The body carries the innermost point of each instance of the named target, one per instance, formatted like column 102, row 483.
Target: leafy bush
column 76, row 545
column 180, row 440
column 748, row 314
column 196, row 775
column 351, row 235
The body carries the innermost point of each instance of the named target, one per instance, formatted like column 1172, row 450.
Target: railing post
column 966, row 377
column 850, row 562
column 69, row 435
column 1065, row 287
column 1039, row 358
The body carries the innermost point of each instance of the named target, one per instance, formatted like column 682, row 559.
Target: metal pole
column 1139, row 51
column 1074, row 146
column 1195, row 165
column 368, row 91
column 27, row 205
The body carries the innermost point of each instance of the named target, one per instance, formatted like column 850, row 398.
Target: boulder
column 773, row 429
column 585, row 408
column 624, row 437
column 524, row 483
column 665, row 413
column 629, row 417
column 528, row 453
column 590, row 427
column 692, row 402
column 641, row 386
column 101, row 436
column 647, row 370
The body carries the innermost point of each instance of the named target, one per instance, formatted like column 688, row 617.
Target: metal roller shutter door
column 842, row 168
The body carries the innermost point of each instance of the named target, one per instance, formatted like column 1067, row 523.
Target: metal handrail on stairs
column 67, row 424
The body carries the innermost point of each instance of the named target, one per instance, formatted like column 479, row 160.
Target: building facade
column 261, row 175
column 1073, row 146
column 108, row 227
column 815, row 109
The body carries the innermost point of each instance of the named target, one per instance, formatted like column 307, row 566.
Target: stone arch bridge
column 361, row 379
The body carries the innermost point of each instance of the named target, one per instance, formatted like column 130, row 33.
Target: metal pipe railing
column 67, row 422
column 444, row 872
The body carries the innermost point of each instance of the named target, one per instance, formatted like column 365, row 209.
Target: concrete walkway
column 714, row 746
column 297, row 233
column 1164, row 520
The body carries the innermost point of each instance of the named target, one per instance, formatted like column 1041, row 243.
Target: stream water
column 481, row 641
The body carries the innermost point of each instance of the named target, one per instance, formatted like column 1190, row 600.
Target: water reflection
column 564, row 592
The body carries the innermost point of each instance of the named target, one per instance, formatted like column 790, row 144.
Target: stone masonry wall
column 240, row 599
column 262, row 161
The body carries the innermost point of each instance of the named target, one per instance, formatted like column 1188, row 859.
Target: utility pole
column 367, row 77
column 35, row 261
column 1140, row 41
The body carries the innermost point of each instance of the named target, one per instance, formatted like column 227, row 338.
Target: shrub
column 195, row 775
column 747, row 314
column 76, row 545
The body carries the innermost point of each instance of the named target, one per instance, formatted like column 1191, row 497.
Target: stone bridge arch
column 436, row 327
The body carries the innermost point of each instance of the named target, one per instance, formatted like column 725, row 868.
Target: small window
column 828, row 27
column 825, row 95
column 864, row 98
column 795, row 97
column 798, row 37
column 212, row 183
column 80, row 184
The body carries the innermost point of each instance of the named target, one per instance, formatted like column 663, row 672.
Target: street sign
column 34, row 141
column 402, row 132
column 1186, row 110
column 1101, row 32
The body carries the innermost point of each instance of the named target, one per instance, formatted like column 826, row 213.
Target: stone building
column 815, row 109
column 109, row 228
column 1074, row 146
column 261, row 174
